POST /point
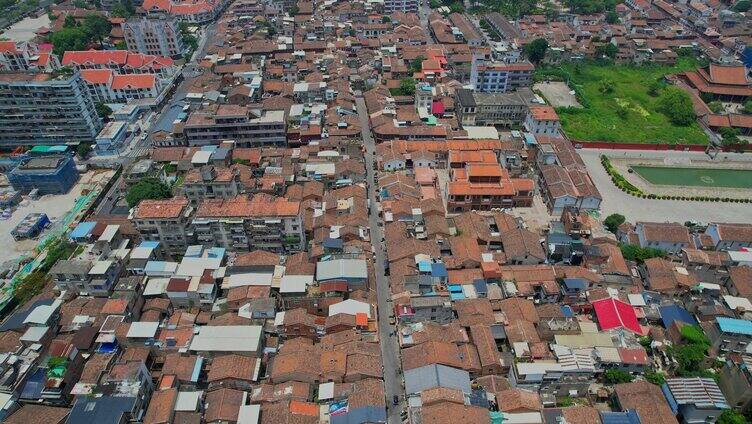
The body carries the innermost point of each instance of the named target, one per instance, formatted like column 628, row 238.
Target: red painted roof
column 8, row 47
column 437, row 107
column 613, row 313
column 133, row 81
column 96, row 76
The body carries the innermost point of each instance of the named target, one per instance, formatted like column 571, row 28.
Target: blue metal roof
column 627, row 417
column 82, row 230
column 332, row 243
column 671, row 313
column 197, row 368
column 217, row 252
column 149, row 244
column 439, row 270
column 454, row 288
column 456, row 296
column 155, row 266
column 193, row 251
column 481, row 287
column 733, row 325
column 567, row 311
column 103, row 410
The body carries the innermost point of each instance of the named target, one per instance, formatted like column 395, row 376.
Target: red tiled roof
column 96, row 76
column 133, row 81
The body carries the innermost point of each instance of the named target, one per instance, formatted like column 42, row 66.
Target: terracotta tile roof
column 647, row 399
column 223, row 405
column 133, row 81
column 259, row 206
column 232, row 367
column 97, row 76
column 518, row 400
column 160, row 209
column 543, row 113
column 447, row 412
column 161, row 407
column 37, row 413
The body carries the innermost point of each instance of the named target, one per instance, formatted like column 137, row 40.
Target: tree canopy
column 77, row 36
column 613, row 221
column 639, row 254
column 614, row 376
column 148, row 188
column 731, row 416
column 677, row 106
column 536, row 50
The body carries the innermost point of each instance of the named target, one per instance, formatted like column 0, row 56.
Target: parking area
column 25, row 29
column 557, row 93
column 638, row 209
column 56, row 206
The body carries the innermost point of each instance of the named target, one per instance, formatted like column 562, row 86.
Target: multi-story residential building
column 728, row 236
column 106, row 86
column 499, row 77
column 25, row 56
column 165, row 221
column 729, row 335
column 46, row 108
column 497, row 109
column 209, row 182
column 246, row 126
column 120, row 62
column 198, row 12
column 48, row 174
column 405, row 6
column 260, row 223
column 542, row 120
column 154, row 33
column 424, row 98
column 86, row 277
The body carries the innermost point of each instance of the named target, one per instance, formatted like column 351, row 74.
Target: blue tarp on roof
column 332, row 243
column 82, row 230
column 671, row 313
column 481, row 287
column 567, row 311
column 424, row 266
column 456, row 296
column 736, row 326
column 454, row 288
column 575, row 284
column 439, row 270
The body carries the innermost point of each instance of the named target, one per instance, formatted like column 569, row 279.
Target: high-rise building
column 155, row 33
column 46, row 108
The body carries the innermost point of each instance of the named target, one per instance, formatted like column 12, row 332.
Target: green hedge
column 629, row 188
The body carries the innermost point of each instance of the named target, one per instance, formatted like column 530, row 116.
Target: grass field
column 600, row 119
column 696, row 177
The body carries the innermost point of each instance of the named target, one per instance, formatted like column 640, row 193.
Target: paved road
column 637, row 209
column 389, row 345
column 425, row 10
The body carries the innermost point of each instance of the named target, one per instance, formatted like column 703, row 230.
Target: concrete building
column 499, row 77
column 46, row 108
column 247, row 127
column 542, row 120
column 242, row 224
column 405, row 6
column 85, row 277
column 110, row 140
column 669, row 236
column 727, row 236
column 493, row 109
column 165, row 221
column 209, row 182
column 155, row 33
column 49, row 175
column 729, row 335
column 695, row 400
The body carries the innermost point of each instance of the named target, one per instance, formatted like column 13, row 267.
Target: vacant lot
column 624, row 112
column 699, row 177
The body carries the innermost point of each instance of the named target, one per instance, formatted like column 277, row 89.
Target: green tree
column 416, row 65
column 613, row 221
column 742, row 6
column 386, row 19
column 293, row 10
column 124, row 9
column 657, row 378
column 693, row 334
column 121, row 45
column 614, row 376
column 612, row 17
column 536, row 50
column 655, row 87
column 730, row 136
column 97, row 26
column 83, row 149
column 607, row 50
column 406, row 88
column 731, row 416
column 715, row 106
column 103, row 110
column 677, row 106
column 633, row 252
column 148, row 188
column 606, row 86
column 689, row 357
column 70, row 22
column 69, row 39
column 747, row 107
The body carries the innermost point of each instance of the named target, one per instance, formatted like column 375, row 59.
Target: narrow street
column 389, row 344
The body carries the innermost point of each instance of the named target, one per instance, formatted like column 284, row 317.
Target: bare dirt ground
column 557, row 94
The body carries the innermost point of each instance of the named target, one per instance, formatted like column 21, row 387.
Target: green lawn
column 599, row 120
column 696, row 177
